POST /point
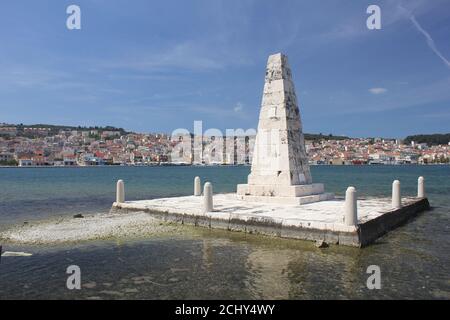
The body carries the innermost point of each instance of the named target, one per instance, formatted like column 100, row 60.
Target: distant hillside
column 320, row 136
column 430, row 139
column 54, row 129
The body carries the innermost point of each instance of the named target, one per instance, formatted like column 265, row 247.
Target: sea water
column 198, row 263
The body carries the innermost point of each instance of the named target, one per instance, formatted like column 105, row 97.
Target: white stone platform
column 315, row 221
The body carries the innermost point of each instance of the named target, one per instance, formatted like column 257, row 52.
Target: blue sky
column 153, row 66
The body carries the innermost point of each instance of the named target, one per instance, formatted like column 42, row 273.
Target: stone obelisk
column 280, row 170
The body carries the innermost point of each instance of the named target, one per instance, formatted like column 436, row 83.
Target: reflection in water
column 268, row 274
column 303, row 272
column 205, row 264
column 207, row 254
column 289, row 269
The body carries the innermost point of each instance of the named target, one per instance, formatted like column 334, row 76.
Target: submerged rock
column 321, row 244
column 90, row 285
column 78, row 216
column 16, row 254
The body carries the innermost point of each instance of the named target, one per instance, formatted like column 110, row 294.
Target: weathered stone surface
column 396, row 195
column 120, row 192
column 290, row 200
column 421, row 187
column 208, row 197
column 280, row 166
column 279, row 155
column 320, row 221
column 197, row 186
column 351, row 207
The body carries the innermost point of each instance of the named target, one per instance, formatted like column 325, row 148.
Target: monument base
column 294, row 195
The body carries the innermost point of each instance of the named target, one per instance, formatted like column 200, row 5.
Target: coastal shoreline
column 87, row 228
column 225, row 165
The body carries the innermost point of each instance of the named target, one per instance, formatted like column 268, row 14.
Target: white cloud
column 377, row 90
column 180, row 56
column 434, row 93
column 192, row 55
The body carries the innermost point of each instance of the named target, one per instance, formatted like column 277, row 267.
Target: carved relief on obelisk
column 280, row 164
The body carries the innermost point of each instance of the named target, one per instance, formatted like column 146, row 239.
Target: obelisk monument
column 280, row 171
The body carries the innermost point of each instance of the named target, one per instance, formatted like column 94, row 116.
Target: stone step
column 280, row 190
column 288, row 200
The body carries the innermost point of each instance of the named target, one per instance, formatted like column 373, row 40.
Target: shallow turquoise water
column 202, row 264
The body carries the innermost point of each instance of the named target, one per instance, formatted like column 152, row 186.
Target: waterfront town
column 33, row 146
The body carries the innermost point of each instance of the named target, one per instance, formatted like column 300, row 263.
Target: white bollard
column 351, row 207
column 207, row 197
column 421, row 187
column 197, row 187
column 396, row 195
column 120, row 192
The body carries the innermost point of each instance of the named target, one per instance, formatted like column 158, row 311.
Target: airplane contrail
column 430, row 40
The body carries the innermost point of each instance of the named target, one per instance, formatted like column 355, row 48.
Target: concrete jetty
column 319, row 221
column 280, row 198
